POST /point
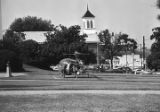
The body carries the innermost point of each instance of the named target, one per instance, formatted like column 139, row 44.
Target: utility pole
column 144, row 53
column 97, row 53
column 141, row 55
column 0, row 19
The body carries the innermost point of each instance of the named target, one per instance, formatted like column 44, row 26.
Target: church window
column 88, row 26
column 84, row 24
column 91, row 24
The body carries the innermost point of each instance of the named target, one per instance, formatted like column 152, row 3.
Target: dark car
column 127, row 69
column 118, row 70
column 122, row 70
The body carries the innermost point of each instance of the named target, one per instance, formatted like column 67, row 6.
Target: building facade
column 131, row 60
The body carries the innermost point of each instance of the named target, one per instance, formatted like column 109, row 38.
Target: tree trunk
column 156, row 69
column 111, row 63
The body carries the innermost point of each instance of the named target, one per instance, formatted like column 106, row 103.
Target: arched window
column 88, row 24
column 84, row 25
column 91, row 24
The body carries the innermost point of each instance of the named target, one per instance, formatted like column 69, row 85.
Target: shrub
column 13, row 58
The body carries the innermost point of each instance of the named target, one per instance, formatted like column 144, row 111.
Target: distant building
column 130, row 60
column 133, row 60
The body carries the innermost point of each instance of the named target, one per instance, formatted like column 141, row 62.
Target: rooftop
column 88, row 14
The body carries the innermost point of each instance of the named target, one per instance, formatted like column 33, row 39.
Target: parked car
column 138, row 71
column 145, row 72
column 142, row 72
column 118, row 70
column 91, row 67
column 124, row 69
column 54, row 68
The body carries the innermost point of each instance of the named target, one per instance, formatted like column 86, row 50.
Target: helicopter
column 69, row 66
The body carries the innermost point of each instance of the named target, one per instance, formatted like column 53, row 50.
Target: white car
column 141, row 71
column 54, row 68
column 138, row 71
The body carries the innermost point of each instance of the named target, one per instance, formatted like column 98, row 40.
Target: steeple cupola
column 88, row 14
column 88, row 22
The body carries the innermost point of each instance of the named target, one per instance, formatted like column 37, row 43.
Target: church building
column 89, row 28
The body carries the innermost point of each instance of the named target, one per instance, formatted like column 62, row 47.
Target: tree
column 30, row 23
column 112, row 44
column 29, row 50
column 156, row 34
column 64, row 41
column 9, row 51
column 14, row 36
column 129, row 43
column 153, row 60
column 14, row 59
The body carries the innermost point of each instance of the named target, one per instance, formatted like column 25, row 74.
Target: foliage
column 11, row 40
column 130, row 43
column 30, row 23
column 29, row 50
column 112, row 44
column 109, row 49
column 13, row 58
column 62, row 42
column 156, row 34
column 153, row 60
column 9, row 50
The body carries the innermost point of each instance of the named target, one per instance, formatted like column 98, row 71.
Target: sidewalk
column 30, row 73
column 13, row 74
column 94, row 92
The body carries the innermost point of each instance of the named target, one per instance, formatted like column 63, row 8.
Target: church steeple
column 88, row 14
column 87, row 7
column 88, row 22
column 89, row 28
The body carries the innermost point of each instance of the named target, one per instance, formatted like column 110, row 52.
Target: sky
column 133, row 17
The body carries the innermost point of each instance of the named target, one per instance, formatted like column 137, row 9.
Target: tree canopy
column 29, row 50
column 112, row 44
column 31, row 23
column 64, row 41
column 153, row 60
column 13, row 39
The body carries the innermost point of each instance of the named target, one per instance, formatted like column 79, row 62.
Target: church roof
column 92, row 38
column 88, row 14
column 38, row 36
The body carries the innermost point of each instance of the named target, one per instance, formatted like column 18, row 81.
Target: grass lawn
column 80, row 103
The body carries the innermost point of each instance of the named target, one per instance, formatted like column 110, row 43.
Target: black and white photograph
column 79, row 55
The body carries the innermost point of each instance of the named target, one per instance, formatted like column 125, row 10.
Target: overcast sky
column 134, row 17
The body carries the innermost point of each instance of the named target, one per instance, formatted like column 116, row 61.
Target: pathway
column 103, row 92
